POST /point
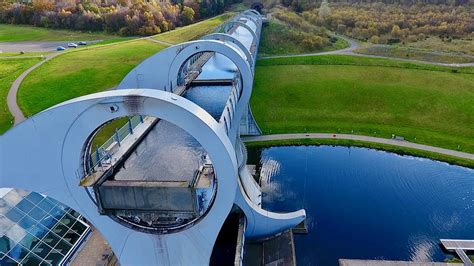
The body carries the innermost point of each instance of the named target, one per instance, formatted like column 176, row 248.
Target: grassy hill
column 81, row 72
column 375, row 97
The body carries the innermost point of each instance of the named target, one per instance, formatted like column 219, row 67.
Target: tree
column 324, row 9
column 396, row 31
column 187, row 15
column 375, row 39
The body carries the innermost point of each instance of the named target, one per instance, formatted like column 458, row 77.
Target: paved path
column 400, row 143
column 12, row 94
column 355, row 45
column 150, row 38
column 93, row 251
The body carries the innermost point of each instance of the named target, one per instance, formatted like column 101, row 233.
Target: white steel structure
column 46, row 153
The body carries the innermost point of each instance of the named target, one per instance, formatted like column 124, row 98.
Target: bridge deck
column 459, row 246
column 453, row 244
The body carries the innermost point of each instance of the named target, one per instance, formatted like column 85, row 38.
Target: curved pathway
column 12, row 103
column 401, row 143
column 12, row 93
column 355, row 45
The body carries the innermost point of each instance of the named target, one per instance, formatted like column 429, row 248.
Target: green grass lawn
column 277, row 40
column 367, row 97
column 13, row 55
column 10, row 69
column 19, row 33
column 416, row 54
column 81, row 72
column 193, row 31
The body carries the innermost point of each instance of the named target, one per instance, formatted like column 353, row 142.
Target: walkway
column 95, row 251
column 355, row 45
column 400, row 143
column 460, row 247
column 12, row 94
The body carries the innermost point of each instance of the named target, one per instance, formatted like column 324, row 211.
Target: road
column 400, row 143
column 16, row 47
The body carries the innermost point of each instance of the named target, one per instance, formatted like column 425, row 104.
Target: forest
column 124, row 17
column 382, row 23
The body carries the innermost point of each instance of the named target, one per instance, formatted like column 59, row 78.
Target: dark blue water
column 210, row 98
column 368, row 204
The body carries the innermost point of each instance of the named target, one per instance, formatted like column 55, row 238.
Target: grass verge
column 359, row 61
column 10, row 69
column 21, row 33
column 193, row 31
column 81, row 72
column 416, row 54
column 371, row 145
column 433, row 107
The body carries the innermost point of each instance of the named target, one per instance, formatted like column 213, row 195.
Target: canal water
column 367, row 204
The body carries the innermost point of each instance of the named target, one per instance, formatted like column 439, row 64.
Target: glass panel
column 25, row 206
column 60, row 229
column 6, row 261
column 68, row 220
column 51, row 239
column 15, row 215
column 55, row 202
column 63, row 247
column 54, row 257
column 12, row 198
column 37, row 214
column 17, row 253
column 16, row 233
column 71, row 237
column 57, row 212
column 48, row 221
column 6, row 244
column 79, row 228
column 42, row 250
column 38, row 230
column 31, row 259
column 34, row 197
column 74, row 213
column 46, row 205
column 29, row 241
column 27, row 223
column 5, row 224
column 4, row 206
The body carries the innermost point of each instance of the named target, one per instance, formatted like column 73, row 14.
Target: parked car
column 60, row 48
column 82, row 43
column 72, row 45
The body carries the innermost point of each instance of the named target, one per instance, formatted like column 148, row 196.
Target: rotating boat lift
column 46, row 152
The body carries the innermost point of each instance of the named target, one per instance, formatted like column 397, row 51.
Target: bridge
column 171, row 211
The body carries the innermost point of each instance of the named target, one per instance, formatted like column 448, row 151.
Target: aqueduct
column 56, row 145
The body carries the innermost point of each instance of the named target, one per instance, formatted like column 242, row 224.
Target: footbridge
column 176, row 171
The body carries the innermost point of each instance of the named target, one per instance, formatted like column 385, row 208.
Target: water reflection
column 367, row 204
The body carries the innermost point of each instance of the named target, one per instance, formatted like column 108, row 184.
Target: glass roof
column 37, row 230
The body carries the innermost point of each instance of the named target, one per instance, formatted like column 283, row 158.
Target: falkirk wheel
column 50, row 153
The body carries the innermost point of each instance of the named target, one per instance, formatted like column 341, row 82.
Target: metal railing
column 103, row 154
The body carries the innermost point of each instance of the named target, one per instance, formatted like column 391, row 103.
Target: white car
column 72, row 45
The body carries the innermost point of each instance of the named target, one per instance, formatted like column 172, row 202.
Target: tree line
column 125, row 17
